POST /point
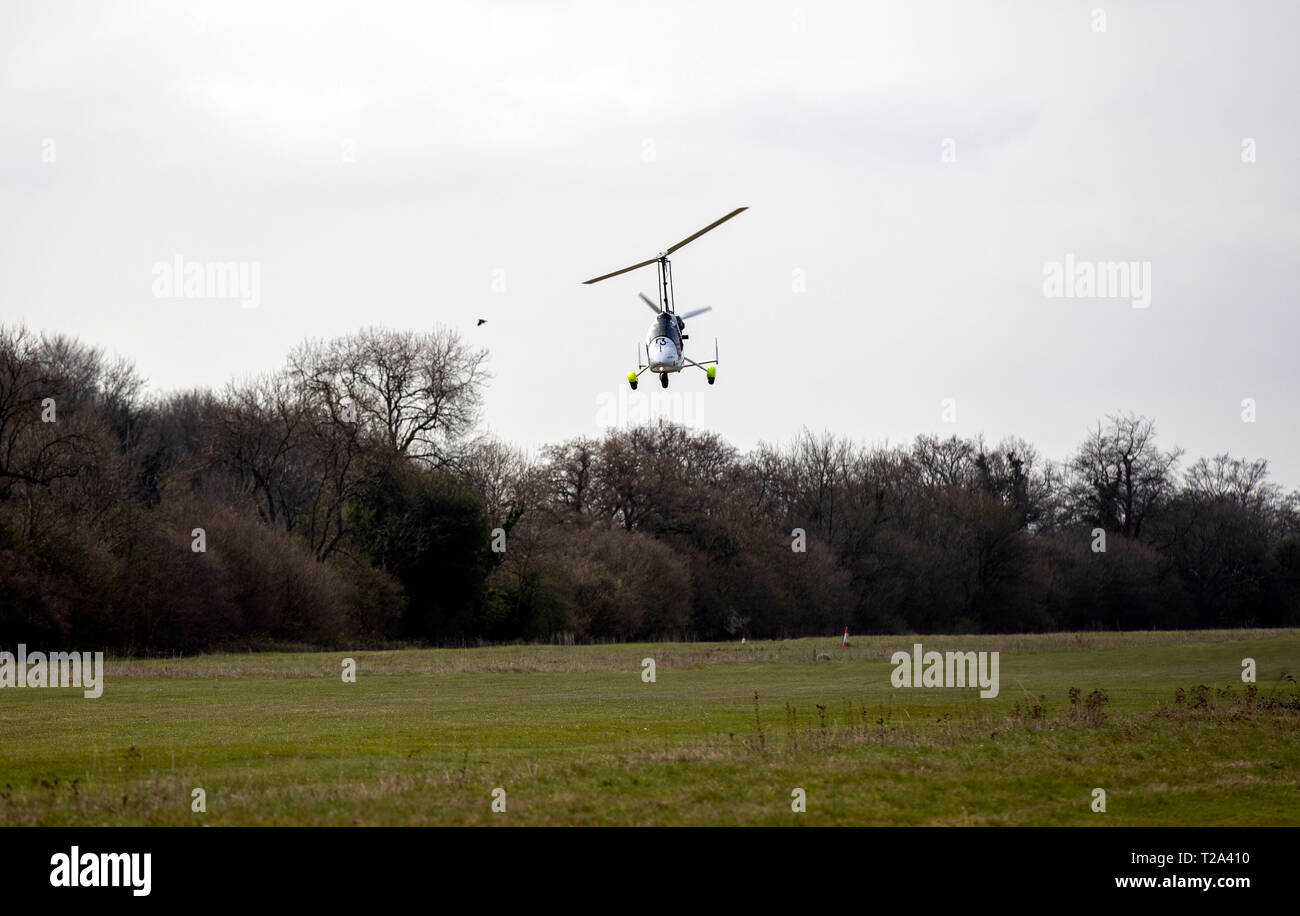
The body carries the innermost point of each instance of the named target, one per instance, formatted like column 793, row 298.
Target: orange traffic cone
column 846, row 637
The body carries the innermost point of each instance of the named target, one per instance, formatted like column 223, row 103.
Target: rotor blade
column 713, row 225
column 649, row 303
column 623, row 271
column 694, row 312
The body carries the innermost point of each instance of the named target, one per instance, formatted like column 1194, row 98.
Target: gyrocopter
column 664, row 348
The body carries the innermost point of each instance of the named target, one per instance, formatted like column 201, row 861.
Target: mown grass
column 723, row 736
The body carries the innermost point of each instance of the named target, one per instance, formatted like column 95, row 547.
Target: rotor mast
column 666, row 303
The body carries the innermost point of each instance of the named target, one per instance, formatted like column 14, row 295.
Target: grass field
column 725, row 733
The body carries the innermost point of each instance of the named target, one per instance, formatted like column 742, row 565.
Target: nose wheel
column 663, row 380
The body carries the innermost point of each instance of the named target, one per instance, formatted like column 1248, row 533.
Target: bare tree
column 1016, row 476
column 1120, row 474
column 259, row 433
column 505, row 477
column 420, row 394
column 945, row 462
column 45, row 432
column 821, row 467
column 569, row 474
column 1244, row 483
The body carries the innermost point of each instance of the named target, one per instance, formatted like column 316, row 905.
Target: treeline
column 348, row 498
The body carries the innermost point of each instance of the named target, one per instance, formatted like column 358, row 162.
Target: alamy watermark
column 102, row 869
column 633, row 408
column 182, row 279
column 946, row 669
column 1071, row 279
column 58, row 669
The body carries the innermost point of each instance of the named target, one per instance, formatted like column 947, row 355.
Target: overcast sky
column 912, row 171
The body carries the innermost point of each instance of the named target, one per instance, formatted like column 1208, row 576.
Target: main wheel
column 663, row 379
